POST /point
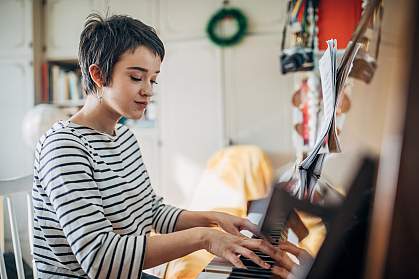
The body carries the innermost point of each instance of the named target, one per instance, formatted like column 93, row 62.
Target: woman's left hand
column 285, row 267
column 233, row 224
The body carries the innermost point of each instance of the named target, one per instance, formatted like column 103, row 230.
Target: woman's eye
column 153, row 82
column 136, row 79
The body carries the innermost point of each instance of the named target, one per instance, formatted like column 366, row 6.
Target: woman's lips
column 141, row 105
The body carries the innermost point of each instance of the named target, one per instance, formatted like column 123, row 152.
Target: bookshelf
column 61, row 84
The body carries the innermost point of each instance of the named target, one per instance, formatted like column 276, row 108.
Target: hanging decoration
column 303, row 177
column 223, row 14
column 298, row 55
column 365, row 62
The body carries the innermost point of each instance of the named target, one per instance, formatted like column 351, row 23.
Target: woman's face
column 133, row 79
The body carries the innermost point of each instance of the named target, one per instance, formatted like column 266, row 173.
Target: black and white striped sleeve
column 164, row 216
column 66, row 175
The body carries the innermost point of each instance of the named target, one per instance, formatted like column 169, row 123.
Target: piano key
column 262, row 273
column 245, row 276
column 248, row 275
column 263, row 256
column 249, row 263
column 275, row 236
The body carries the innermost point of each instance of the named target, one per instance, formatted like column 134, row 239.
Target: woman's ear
column 96, row 75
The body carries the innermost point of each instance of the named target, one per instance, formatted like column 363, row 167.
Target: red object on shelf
column 44, row 83
column 337, row 20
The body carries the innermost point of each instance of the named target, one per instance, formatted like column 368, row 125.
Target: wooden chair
column 8, row 189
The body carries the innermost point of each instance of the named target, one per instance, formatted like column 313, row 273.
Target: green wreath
column 221, row 15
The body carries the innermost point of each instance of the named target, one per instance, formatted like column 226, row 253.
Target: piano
column 341, row 254
column 274, row 216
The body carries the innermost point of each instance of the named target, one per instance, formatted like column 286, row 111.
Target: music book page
column 332, row 80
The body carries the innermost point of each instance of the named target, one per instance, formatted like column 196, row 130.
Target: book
column 73, row 87
column 327, row 141
column 56, row 85
column 62, row 83
column 44, row 83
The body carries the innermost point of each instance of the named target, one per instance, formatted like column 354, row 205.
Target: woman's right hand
column 230, row 247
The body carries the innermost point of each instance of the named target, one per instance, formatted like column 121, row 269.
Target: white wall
column 16, row 90
column 212, row 95
column 16, row 97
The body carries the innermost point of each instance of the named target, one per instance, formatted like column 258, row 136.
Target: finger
column 261, row 245
column 284, row 260
column 253, row 257
column 235, row 231
column 247, row 225
column 280, row 271
column 259, row 235
column 244, row 237
column 234, row 260
column 232, row 230
column 291, row 248
column 263, row 236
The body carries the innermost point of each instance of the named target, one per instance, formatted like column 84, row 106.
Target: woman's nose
column 146, row 93
column 146, row 89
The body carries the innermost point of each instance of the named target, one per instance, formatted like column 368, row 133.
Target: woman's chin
column 134, row 115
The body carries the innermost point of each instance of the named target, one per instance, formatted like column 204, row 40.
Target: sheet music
column 345, row 68
column 332, row 79
column 327, row 67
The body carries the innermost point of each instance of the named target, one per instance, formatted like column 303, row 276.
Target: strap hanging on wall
column 365, row 62
column 299, row 56
column 226, row 13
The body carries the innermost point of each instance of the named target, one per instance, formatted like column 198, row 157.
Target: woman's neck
column 96, row 115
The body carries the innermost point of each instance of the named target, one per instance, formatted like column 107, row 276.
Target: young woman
column 94, row 205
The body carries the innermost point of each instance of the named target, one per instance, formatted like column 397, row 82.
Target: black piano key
column 262, row 273
column 254, row 270
column 253, row 276
column 250, row 273
column 245, row 276
column 250, row 263
column 263, row 256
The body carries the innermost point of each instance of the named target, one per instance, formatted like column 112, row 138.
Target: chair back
column 8, row 189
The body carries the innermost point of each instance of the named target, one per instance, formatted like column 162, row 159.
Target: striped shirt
column 93, row 204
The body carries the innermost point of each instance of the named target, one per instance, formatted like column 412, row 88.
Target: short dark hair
column 103, row 41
